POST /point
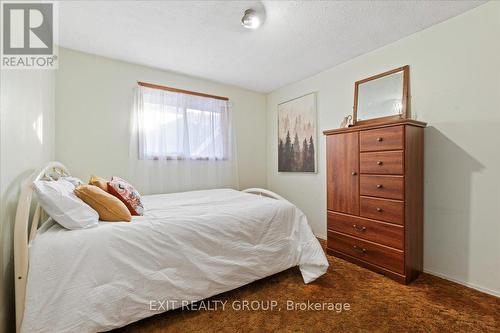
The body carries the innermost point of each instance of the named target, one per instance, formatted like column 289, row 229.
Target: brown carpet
column 377, row 304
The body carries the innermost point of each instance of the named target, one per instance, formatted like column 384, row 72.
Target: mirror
column 381, row 97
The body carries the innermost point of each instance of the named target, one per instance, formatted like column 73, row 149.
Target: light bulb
column 250, row 19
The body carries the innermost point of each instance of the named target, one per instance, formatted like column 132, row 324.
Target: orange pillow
column 109, row 207
column 99, row 182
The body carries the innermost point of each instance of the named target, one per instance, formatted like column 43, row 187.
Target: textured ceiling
column 205, row 38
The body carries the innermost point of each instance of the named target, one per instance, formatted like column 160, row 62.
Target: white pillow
column 59, row 201
column 73, row 180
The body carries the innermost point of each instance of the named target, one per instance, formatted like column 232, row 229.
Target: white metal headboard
column 52, row 171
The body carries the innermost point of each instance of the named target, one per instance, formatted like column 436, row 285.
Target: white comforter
column 187, row 247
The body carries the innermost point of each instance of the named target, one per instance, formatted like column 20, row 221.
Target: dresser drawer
column 388, row 162
column 376, row 254
column 391, row 187
column 382, row 209
column 379, row 232
column 389, row 138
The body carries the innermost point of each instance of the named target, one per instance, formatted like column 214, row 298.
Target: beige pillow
column 99, row 182
column 109, row 207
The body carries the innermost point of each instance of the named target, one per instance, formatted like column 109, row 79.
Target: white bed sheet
column 187, row 247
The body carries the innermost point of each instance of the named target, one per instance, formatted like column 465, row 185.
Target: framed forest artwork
column 297, row 135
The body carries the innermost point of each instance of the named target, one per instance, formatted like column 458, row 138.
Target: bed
column 187, row 247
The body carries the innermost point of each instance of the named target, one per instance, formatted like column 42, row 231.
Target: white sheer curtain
column 181, row 142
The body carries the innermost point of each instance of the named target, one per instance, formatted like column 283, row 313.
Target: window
column 181, row 125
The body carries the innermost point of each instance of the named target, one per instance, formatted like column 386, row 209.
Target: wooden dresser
column 375, row 196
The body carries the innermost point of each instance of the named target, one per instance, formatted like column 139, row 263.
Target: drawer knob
column 379, row 162
column 359, row 228
column 380, row 139
column 359, row 249
column 379, row 186
column 379, row 209
column 354, row 173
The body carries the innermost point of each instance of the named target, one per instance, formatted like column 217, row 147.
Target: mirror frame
column 405, row 108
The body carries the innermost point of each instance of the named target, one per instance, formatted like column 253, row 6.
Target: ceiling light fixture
column 250, row 19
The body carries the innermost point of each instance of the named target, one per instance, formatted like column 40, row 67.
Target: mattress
column 187, row 247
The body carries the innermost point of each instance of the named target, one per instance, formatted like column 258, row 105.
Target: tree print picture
column 297, row 135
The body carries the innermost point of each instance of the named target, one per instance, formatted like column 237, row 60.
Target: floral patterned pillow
column 127, row 194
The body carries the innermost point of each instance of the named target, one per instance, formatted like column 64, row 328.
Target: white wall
column 455, row 87
column 94, row 98
column 26, row 143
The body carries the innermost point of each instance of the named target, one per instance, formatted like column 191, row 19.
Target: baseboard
column 322, row 237
column 467, row 284
column 449, row 278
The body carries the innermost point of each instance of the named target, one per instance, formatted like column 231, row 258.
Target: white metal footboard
column 265, row 193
